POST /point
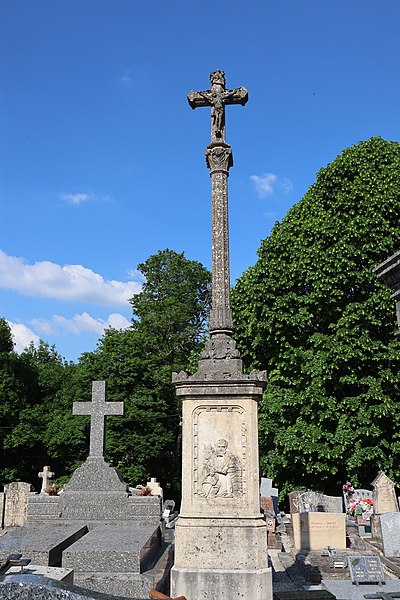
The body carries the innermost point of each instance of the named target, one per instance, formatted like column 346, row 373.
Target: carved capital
column 219, row 158
column 220, row 347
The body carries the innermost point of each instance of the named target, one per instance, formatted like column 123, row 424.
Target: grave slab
column 57, row 573
column 345, row 590
column 128, row 549
column 43, row 546
column 116, row 559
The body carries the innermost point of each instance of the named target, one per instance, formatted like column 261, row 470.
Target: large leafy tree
column 312, row 312
column 168, row 327
column 34, row 405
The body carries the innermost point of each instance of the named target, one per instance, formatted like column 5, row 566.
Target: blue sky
column 102, row 159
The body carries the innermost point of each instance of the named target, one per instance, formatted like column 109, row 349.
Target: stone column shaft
column 221, row 318
column 219, row 160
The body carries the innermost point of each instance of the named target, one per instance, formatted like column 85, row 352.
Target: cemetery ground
column 298, row 573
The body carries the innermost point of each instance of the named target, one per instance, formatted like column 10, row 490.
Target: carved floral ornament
column 219, row 158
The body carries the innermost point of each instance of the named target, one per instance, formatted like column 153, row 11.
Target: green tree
column 312, row 313
column 36, row 409
column 169, row 320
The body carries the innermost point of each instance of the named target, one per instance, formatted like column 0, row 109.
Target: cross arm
column 115, row 408
column 236, row 96
column 197, row 99
column 82, row 408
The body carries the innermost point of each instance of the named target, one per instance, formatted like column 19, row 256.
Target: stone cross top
column 219, row 160
column 98, row 409
column 217, row 98
column 45, row 475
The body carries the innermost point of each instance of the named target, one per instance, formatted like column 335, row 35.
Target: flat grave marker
column 366, row 569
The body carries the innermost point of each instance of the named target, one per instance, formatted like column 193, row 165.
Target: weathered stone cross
column 98, row 409
column 219, row 160
column 217, row 98
column 45, row 475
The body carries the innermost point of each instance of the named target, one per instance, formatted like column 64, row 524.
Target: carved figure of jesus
column 217, row 97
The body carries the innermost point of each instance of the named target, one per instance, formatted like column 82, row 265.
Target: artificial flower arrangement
column 354, row 503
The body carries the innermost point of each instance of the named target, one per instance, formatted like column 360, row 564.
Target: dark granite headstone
column 366, row 569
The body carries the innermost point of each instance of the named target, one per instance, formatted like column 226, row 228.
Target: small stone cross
column 45, row 475
column 217, row 98
column 98, row 409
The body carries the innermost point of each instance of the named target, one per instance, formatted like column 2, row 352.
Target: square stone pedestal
column 220, row 535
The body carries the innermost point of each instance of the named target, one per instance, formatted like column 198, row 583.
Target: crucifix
column 98, row 409
column 45, row 475
column 219, row 160
column 218, row 97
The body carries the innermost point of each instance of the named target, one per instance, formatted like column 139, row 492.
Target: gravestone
column 384, row 495
column 45, row 475
column 316, row 530
column 267, row 493
column 294, row 502
column 390, row 532
column 220, row 534
column 266, row 489
column 2, row 502
column 16, row 503
column 316, row 502
column 96, row 512
column 154, row 487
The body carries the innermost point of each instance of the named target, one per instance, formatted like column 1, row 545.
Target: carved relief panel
column 219, row 452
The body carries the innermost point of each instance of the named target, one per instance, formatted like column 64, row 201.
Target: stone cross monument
column 220, row 536
column 95, row 474
column 45, row 475
column 97, row 409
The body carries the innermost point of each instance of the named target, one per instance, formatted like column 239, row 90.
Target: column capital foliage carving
column 219, row 158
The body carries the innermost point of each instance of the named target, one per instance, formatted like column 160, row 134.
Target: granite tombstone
column 390, row 531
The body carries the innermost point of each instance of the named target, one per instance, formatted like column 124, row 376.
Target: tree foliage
column 169, row 320
column 32, row 395
column 38, row 388
column 312, row 312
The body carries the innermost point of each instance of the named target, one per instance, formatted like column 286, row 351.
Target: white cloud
column 286, row 185
column 126, row 79
column 137, row 275
column 69, row 283
column 264, row 184
column 83, row 323
column 22, row 336
column 75, row 198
